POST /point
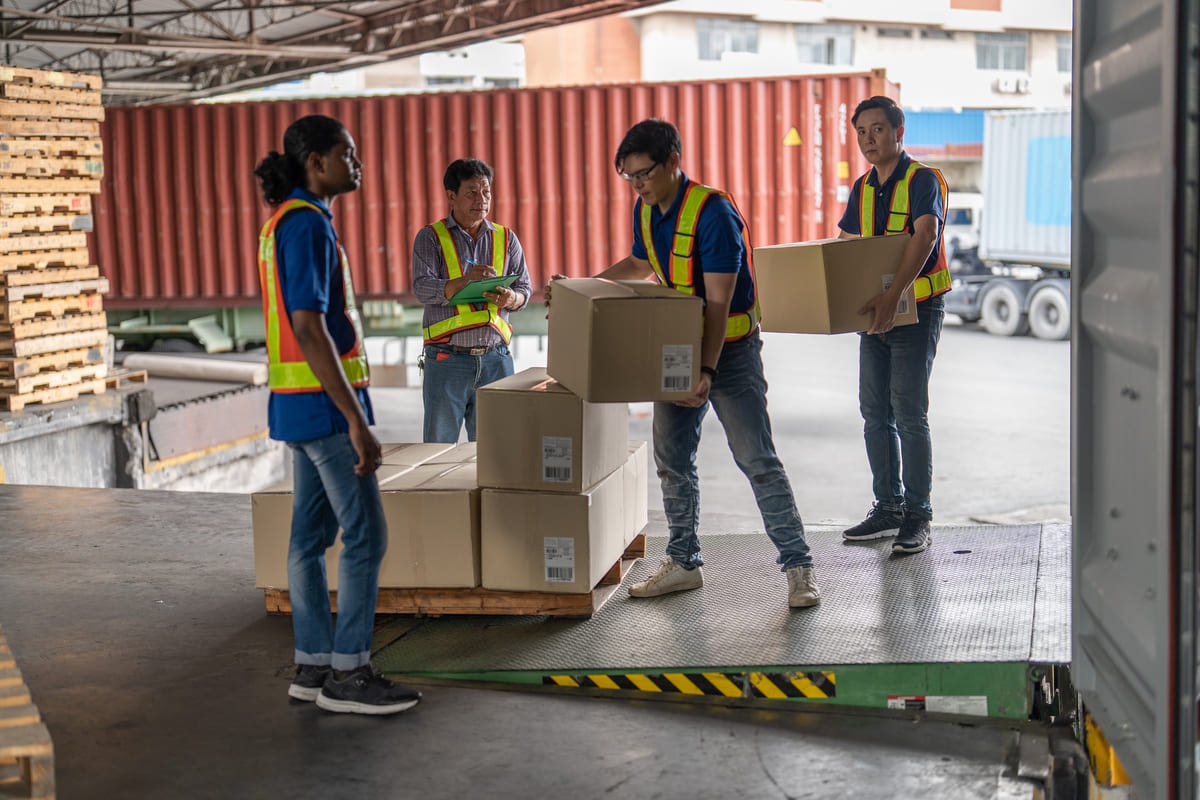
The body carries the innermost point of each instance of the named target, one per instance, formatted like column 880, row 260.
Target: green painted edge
column 1006, row 685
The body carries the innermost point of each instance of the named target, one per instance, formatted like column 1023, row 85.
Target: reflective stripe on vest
column 682, row 264
column 468, row 315
column 937, row 280
column 288, row 370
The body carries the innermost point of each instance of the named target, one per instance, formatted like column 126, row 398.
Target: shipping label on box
column 819, row 286
column 624, row 341
column 535, row 434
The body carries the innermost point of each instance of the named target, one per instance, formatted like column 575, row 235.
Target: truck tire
column 1050, row 314
column 1000, row 312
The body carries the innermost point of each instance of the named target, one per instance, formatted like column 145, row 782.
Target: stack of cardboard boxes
column 52, row 324
column 553, row 493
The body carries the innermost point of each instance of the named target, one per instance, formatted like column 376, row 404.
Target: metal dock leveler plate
column 967, row 628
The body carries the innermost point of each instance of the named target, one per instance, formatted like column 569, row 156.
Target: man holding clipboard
column 470, row 274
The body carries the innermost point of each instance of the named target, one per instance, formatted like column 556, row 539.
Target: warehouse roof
column 169, row 51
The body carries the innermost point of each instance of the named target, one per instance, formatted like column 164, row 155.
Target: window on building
column 717, row 36
column 1064, row 52
column 1005, row 51
column 825, row 44
column 446, row 80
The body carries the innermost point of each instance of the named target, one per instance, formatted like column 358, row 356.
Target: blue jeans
column 448, row 388
column 893, row 396
column 328, row 495
column 739, row 396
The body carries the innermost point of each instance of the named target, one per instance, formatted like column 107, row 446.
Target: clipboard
column 473, row 291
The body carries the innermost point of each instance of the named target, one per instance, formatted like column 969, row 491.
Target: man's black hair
column 893, row 112
column 656, row 138
column 464, row 169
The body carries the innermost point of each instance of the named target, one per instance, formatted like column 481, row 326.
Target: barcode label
column 557, row 459
column 560, row 559
column 677, row 368
column 902, row 306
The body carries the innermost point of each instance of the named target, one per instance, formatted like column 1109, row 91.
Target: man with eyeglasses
column 692, row 238
column 466, row 343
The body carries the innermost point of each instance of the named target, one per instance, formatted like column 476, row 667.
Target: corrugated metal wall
column 178, row 216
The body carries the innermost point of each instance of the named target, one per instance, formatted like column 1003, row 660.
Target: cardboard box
column 635, row 474
column 624, row 341
column 535, row 434
column 432, row 511
column 410, row 455
column 819, row 286
column 561, row 543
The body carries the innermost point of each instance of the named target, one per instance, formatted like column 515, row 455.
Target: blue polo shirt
column 310, row 273
column 924, row 197
column 719, row 245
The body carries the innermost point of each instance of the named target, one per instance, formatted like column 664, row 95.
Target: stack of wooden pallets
column 52, row 322
column 26, row 750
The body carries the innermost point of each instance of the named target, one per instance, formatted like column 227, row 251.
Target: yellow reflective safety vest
column 681, row 274
column 288, row 370
column 937, row 280
column 469, row 315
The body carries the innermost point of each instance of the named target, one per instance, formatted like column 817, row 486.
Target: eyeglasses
column 641, row 176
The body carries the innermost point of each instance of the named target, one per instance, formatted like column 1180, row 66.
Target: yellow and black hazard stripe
column 775, row 685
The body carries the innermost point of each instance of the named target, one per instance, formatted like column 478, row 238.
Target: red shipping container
column 177, row 219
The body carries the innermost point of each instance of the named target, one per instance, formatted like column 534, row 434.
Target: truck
column 1009, row 248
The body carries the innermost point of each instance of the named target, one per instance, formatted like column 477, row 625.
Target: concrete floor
column 134, row 618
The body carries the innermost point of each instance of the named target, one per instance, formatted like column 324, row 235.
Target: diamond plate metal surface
column 970, row 598
column 1052, row 609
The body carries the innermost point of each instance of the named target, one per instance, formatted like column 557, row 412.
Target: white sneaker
column 670, row 577
column 802, row 587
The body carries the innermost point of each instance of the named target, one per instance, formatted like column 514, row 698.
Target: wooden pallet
column 45, row 223
column 54, row 343
column 27, row 366
column 58, row 166
column 55, row 379
column 47, row 148
column 11, row 205
column 479, row 601
column 66, row 95
column 120, row 377
column 50, row 288
column 12, row 312
column 21, row 185
column 45, row 77
column 49, row 275
column 26, row 750
column 44, row 241
column 54, row 394
column 52, row 111
column 11, row 126
column 32, row 262
column 33, row 328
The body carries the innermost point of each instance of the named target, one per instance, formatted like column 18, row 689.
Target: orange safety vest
column 468, row 315
column 682, row 272
column 288, row 370
column 937, row 280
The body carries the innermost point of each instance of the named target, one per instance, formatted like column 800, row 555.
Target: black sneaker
column 366, row 691
column 880, row 523
column 308, row 681
column 914, row 536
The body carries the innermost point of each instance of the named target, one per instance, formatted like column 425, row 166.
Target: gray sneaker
column 803, row 591
column 880, row 523
column 308, row 681
column 914, row 536
column 366, row 691
column 670, row 577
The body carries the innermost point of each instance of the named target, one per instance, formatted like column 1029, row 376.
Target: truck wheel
column 1049, row 314
column 1000, row 312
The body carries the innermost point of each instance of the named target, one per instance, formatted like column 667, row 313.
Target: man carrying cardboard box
column 898, row 195
column 692, row 238
column 466, row 333
column 319, row 405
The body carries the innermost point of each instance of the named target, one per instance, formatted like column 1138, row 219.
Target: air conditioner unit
column 1022, row 85
column 1005, row 85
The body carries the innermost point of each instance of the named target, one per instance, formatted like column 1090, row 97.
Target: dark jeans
column 739, row 396
column 893, row 396
column 448, row 387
